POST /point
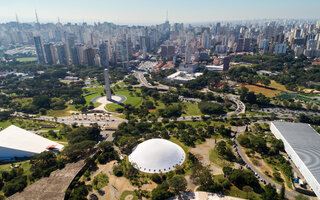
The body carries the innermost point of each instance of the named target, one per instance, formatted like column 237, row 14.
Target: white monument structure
column 107, row 82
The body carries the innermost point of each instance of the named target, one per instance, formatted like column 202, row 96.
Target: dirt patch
column 202, row 152
column 129, row 197
column 149, row 187
column 116, row 185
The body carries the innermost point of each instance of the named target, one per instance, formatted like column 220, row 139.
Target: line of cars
column 243, row 163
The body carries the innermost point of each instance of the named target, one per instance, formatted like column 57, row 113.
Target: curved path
column 117, row 99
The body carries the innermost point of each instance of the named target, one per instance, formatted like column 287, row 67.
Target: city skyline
column 152, row 12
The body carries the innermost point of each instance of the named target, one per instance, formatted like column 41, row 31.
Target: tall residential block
column 39, row 50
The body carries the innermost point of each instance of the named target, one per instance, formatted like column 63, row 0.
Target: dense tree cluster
column 293, row 71
column 224, row 151
column 252, row 98
column 107, row 152
column 211, row 108
column 13, row 181
column 206, row 79
column 81, row 140
column 131, row 80
column 309, row 119
column 44, row 163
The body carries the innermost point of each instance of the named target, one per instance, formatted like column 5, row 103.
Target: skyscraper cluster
column 102, row 44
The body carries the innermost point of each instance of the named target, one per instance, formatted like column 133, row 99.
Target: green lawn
column 127, row 193
column 215, row 158
column 132, row 98
column 27, row 59
column 94, row 92
column 191, row 109
column 28, row 124
column 5, row 124
column 24, row 164
column 59, row 113
column 62, row 138
column 184, row 147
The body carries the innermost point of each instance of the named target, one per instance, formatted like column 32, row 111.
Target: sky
column 154, row 11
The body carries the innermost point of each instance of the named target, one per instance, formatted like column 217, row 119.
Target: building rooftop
column 157, row 155
column 17, row 142
column 305, row 141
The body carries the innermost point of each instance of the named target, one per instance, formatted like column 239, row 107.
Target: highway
column 143, row 81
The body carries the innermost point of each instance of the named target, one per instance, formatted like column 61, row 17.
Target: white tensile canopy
column 157, row 156
column 17, row 142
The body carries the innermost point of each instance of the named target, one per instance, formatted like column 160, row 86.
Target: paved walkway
column 103, row 100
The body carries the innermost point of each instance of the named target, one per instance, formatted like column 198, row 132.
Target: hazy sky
column 154, row 11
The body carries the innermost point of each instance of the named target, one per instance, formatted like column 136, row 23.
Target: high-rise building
column 167, row 52
column 247, row 45
column 90, row 54
column 318, row 24
column 104, row 54
column 39, row 50
column 77, row 55
column 206, row 40
column 62, row 54
column 50, row 53
column 70, row 44
column 240, row 45
column 264, row 45
column 145, row 41
column 280, row 48
column 226, row 63
column 188, row 55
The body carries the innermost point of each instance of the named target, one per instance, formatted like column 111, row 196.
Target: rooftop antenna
column 17, row 20
column 167, row 18
column 37, row 16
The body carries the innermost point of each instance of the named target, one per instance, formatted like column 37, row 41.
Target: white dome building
column 157, row 155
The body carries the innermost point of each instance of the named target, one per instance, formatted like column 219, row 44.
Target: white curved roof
column 17, row 142
column 157, row 155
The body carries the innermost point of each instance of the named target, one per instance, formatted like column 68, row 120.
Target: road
column 105, row 121
column 143, row 81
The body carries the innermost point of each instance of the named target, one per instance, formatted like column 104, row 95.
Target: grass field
column 94, row 92
column 5, row 124
column 276, row 89
column 127, row 193
column 191, row 109
column 27, row 59
column 265, row 91
column 59, row 113
column 24, row 164
column 215, row 158
column 277, row 86
column 27, row 124
column 132, row 98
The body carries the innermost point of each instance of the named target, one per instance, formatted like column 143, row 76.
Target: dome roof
column 157, row 155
